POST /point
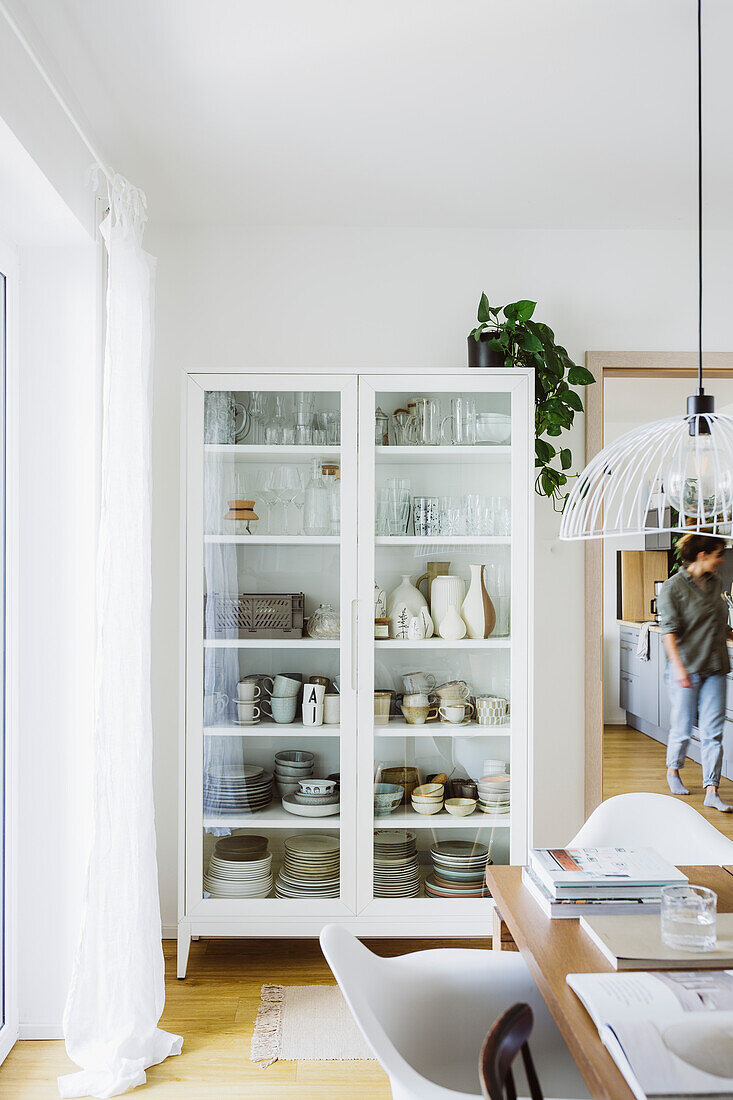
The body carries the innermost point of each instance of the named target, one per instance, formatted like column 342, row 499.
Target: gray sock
column 676, row 785
column 714, row 802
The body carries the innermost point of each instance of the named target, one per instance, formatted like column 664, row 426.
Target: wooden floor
column 634, row 762
column 214, row 1008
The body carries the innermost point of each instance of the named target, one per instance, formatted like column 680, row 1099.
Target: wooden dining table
column 553, row 949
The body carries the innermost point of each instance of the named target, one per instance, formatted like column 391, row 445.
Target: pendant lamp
column 671, row 475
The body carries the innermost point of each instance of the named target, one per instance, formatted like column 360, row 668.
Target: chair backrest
column 676, row 831
column 508, row 1036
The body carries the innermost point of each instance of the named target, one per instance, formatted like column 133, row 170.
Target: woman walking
column 693, row 618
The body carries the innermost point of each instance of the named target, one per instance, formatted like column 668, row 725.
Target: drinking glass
column 303, row 433
column 462, row 422
column 333, row 429
column 473, row 514
column 689, row 917
column 381, row 523
column 502, row 516
column 426, row 515
column 451, row 516
column 398, row 515
column 288, row 484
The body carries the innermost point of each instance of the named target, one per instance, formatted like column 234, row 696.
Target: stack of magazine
column 568, row 882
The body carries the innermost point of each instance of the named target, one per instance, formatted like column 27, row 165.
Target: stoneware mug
column 284, row 687
column 418, row 716
column 382, row 703
column 248, row 712
column 414, row 682
column 248, row 691
column 313, row 693
column 312, row 714
column 332, row 709
column 281, row 707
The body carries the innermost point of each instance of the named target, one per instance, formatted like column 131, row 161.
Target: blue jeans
column 703, row 705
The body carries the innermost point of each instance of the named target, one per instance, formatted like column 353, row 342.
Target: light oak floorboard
column 634, row 762
column 214, row 1009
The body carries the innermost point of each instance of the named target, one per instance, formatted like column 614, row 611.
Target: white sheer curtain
column 117, row 991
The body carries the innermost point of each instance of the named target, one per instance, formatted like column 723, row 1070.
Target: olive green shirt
column 698, row 616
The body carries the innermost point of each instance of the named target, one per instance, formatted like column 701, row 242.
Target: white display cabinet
column 225, row 558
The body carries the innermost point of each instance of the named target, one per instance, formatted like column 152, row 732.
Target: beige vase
column 477, row 610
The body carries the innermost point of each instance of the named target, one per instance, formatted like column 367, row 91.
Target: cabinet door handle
column 354, row 645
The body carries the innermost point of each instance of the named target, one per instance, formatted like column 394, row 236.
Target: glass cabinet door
column 271, row 577
column 443, row 559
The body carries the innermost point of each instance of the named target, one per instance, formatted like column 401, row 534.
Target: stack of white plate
column 240, row 867
column 236, row 789
column 396, row 873
column 493, row 794
column 459, row 867
column 310, row 867
column 292, row 765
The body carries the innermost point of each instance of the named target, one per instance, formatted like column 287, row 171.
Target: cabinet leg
column 184, row 945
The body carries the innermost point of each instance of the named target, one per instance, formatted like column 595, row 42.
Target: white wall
column 357, row 299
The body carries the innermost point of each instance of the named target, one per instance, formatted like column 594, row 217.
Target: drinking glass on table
column 689, row 915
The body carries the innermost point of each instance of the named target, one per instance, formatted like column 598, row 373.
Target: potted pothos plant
column 507, row 336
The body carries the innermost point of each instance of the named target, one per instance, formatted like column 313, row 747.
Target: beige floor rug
column 301, row 1023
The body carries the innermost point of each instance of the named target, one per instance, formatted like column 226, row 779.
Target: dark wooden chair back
column 508, row 1036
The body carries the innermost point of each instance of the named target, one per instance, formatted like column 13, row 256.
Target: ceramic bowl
column 387, row 797
column 317, row 786
column 460, row 807
column 287, row 772
column 294, row 758
column 283, row 787
column 429, row 790
column 427, row 808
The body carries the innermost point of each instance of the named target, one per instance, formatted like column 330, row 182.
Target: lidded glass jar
column 324, row 623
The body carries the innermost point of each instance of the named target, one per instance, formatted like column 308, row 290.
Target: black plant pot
column 485, row 352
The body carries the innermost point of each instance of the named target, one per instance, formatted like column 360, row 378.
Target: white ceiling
column 532, row 113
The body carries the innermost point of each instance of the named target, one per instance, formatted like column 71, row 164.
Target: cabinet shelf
column 274, row 817
column 398, row 727
column 404, row 456
column 443, row 540
column 271, row 729
column 408, row 819
column 442, row 643
column 273, row 540
column 271, row 643
column 270, row 452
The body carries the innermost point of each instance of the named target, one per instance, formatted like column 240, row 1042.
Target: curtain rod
column 17, row 31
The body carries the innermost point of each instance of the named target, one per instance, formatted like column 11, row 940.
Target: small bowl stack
column 240, row 867
column 428, row 799
column 292, row 765
column 493, row 794
column 387, row 797
column 313, row 798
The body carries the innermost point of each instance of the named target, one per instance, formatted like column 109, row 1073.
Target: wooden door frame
column 617, row 364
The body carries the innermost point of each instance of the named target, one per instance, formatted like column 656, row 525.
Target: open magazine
column 670, row 1033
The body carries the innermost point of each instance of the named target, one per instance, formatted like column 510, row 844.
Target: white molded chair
column 425, row 1015
column 670, row 826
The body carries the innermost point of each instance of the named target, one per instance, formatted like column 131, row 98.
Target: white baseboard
column 170, row 931
column 40, row 1031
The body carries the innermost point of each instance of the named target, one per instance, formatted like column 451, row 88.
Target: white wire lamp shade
column 671, row 475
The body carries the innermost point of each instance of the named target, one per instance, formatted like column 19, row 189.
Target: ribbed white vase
column 446, row 591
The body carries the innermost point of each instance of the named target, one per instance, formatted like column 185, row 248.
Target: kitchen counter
column 636, row 626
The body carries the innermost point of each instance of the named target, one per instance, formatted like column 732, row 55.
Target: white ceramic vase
column 477, row 610
column 447, row 591
column 416, row 629
column 406, row 603
column 452, row 626
column 380, row 602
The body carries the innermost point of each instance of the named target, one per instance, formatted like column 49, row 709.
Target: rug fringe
column 265, row 1049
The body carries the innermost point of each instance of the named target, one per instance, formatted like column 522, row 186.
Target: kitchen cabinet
column 225, row 559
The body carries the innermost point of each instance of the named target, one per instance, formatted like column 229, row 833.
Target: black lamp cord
column 699, row 192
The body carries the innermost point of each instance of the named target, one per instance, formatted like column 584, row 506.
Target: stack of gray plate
column 310, row 867
column 236, row 789
column 459, row 868
column 396, row 873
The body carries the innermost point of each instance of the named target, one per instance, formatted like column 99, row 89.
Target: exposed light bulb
column 696, row 485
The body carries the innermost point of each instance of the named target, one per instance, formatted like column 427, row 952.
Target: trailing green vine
column 528, row 343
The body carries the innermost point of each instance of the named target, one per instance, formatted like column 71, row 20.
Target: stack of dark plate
column 236, row 789
column 396, row 873
column 240, row 867
column 459, row 867
column 310, row 867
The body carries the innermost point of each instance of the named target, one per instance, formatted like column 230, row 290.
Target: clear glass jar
column 317, row 506
column 332, row 477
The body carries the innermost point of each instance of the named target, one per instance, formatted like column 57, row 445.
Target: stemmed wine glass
column 289, row 488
